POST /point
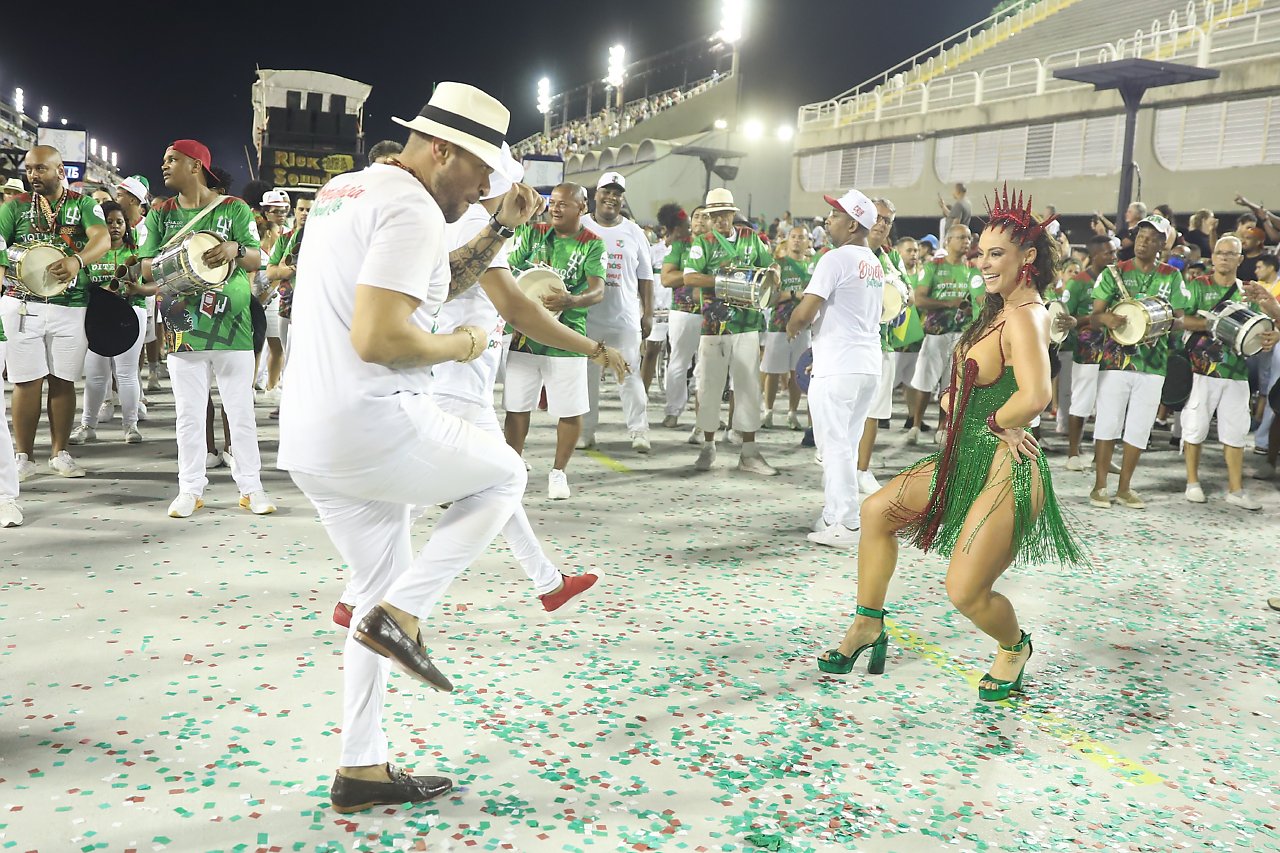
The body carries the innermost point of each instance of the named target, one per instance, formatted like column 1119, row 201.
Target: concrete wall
column 1185, row 191
column 695, row 115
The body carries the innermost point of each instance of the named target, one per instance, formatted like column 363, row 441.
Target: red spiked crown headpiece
column 1011, row 215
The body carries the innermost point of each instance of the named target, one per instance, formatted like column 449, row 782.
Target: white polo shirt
column 627, row 261
column 376, row 227
column 846, row 335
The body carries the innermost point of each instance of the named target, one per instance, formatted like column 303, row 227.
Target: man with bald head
column 47, row 340
column 577, row 256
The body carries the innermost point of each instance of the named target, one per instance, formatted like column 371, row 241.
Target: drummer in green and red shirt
column 1132, row 377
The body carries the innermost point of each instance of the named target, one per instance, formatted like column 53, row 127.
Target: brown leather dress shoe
column 355, row 795
column 381, row 633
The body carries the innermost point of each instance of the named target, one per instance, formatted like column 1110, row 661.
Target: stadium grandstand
column 984, row 107
column 18, row 132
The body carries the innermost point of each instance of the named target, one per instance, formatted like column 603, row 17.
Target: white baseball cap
column 1157, row 222
column 135, row 188
column 508, row 172
column 611, row 178
column 275, row 198
column 857, row 205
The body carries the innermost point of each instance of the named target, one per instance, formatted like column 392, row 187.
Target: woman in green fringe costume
column 986, row 499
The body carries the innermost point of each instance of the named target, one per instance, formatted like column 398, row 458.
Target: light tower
column 544, row 104
column 733, row 19
column 617, row 73
column 18, row 100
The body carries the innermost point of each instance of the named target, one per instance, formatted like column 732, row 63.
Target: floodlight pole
column 1132, row 96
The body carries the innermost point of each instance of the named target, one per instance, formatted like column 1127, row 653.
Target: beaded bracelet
column 599, row 351
column 993, row 426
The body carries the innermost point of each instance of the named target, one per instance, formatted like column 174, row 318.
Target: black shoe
column 355, row 795
column 909, row 422
column 807, row 440
column 382, row 634
column 1163, row 425
column 883, row 423
column 924, row 427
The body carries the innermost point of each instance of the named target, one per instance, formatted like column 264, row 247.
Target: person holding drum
column 132, row 196
column 1220, row 374
column 1085, row 343
column 1134, row 355
column 52, row 234
column 944, row 297
column 685, row 319
column 106, row 273
column 672, row 220
column 730, row 342
column 845, row 297
column 780, row 353
column 576, row 255
column 200, row 245
column 986, row 500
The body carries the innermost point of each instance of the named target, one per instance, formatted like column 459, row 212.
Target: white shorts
column 1084, row 389
column 882, row 408
column 50, row 341
column 1127, row 406
column 272, row 310
column 149, row 335
column 933, row 363
column 782, row 355
column 659, row 333
column 1210, row 394
column 564, row 378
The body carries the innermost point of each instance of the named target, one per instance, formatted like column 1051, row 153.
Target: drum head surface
column 537, row 282
column 199, row 243
column 892, row 304
column 1056, row 310
column 33, row 271
column 1135, row 327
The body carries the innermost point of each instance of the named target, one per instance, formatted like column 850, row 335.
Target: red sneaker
column 342, row 614
column 573, row 585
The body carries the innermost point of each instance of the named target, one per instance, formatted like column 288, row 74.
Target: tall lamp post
column 544, row 104
column 733, row 17
column 613, row 82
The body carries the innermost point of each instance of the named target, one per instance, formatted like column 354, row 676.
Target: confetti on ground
column 175, row 685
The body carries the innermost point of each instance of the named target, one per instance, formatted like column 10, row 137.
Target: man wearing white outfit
column 47, row 341
column 10, row 512
column 655, row 343
column 625, row 317
column 684, row 323
column 372, row 274
column 276, row 204
column 895, row 276
column 208, row 331
column 1220, row 377
column 845, row 298
column 132, row 195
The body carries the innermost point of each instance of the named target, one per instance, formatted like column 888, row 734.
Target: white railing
column 1209, row 32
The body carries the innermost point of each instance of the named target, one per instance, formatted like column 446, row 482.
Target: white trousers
column 1127, row 406
column 233, row 370
column 721, row 357
column 839, row 406
column 1210, row 395
column 906, row 368
column 933, row 363
column 1084, row 390
column 8, row 464
column 1263, row 435
column 683, row 334
column 635, row 402
column 1066, row 366
column 367, row 516
column 97, row 379
column 518, row 531
column 882, row 406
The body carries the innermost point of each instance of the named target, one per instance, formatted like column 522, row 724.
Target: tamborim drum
column 180, row 270
column 539, row 281
column 1239, row 328
column 28, row 269
column 1146, row 320
column 894, row 302
column 804, row 370
column 742, row 287
column 1057, row 311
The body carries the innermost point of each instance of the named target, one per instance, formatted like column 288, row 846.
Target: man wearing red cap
column 210, row 328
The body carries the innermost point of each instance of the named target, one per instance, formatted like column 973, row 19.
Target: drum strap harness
column 191, row 223
column 1124, row 293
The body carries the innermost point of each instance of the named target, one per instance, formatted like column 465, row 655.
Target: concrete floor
column 174, row 685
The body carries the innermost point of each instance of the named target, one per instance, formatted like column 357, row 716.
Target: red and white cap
column 855, row 204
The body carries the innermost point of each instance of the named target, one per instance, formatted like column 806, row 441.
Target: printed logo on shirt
column 223, row 227
column 71, row 215
column 695, row 253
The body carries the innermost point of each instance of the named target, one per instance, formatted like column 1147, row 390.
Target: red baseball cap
column 196, row 151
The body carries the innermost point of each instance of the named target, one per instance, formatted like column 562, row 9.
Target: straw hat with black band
column 469, row 118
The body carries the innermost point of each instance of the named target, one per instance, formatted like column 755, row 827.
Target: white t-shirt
column 846, row 334
column 377, row 227
column 627, row 261
column 474, row 380
column 661, row 295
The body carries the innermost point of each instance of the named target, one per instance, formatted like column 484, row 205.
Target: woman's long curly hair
column 1044, row 272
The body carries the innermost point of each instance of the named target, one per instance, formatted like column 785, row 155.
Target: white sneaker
column 257, row 503
column 26, row 468
column 153, row 384
column 557, row 485
column 867, row 483
column 229, row 461
column 1115, row 467
column 212, row 460
column 706, row 457
column 670, row 422
column 273, row 396
column 835, row 536
column 106, row 412
column 640, row 442
column 766, row 420
column 1194, row 493
column 132, row 435
column 793, row 421
column 1075, row 463
column 753, row 463
column 184, row 504
column 732, row 436
column 1243, row 500
column 585, row 442
column 913, row 435
column 10, row 514
column 81, row 434
column 696, row 436
column 819, row 524
column 142, row 410
column 64, row 466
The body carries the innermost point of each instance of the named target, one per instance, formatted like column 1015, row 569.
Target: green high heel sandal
column 1004, row 688
column 838, row 664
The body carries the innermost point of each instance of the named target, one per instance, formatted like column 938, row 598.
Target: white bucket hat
column 467, row 117
column 719, row 199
